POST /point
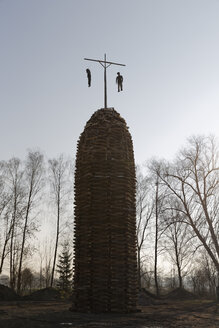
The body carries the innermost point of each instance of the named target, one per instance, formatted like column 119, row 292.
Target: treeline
column 178, row 219
column 30, row 189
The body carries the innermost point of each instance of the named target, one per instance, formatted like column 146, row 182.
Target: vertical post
column 105, row 86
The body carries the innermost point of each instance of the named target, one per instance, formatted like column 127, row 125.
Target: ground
column 160, row 314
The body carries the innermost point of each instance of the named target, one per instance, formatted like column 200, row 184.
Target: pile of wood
column 105, row 217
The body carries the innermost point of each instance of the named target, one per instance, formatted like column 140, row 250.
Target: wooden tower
column 105, row 270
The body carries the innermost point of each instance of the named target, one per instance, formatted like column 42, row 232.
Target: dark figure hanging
column 119, row 80
column 88, row 77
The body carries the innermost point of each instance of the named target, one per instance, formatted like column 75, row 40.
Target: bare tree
column 144, row 211
column 178, row 243
column 45, row 250
column 157, row 212
column 150, row 201
column 59, row 181
column 194, row 180
column 14, row 180
column 160, row 196
column 203, row 277
column 5, row 238
column 33, row 184
column 5, row 199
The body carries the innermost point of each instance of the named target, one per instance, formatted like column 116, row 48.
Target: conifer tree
column 65, row 269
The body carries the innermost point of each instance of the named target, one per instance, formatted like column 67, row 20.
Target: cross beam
column 105, row 65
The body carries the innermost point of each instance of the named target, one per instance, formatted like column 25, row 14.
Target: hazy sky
column 171, row 81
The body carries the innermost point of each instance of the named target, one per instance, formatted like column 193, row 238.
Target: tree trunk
column 156, row 241
column 4, row 250
column 57, row 240
column 12, row 278
column 23, row 242
column 179, row 276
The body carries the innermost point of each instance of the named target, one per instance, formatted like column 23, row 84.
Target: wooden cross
column 105, row 65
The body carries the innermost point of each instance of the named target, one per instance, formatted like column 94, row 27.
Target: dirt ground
column 161, row 314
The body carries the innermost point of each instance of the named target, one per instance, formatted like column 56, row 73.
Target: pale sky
column 171, row 78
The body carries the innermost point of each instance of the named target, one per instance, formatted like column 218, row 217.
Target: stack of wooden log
column 105, row 273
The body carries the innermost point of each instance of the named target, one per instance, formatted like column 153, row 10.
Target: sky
column 171, row 77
